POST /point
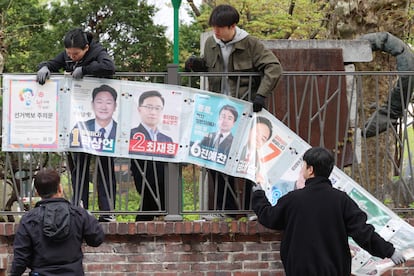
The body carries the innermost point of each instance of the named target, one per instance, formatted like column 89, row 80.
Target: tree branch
column 194, row 8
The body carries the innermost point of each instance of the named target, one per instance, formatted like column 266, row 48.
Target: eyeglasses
column 151, row 108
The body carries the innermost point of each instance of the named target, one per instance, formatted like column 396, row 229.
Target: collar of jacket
column 49, row 200
column 317, row 180
column 239, row 45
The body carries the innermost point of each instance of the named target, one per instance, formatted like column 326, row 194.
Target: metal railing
column 325, row 108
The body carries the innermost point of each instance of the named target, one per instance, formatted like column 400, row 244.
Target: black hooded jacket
column 50, row 236
column 96, row 62
column 316, row 222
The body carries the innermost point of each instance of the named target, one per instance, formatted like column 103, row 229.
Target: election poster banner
column 161, row 122
column 216, row 122
column 388, row 224
column 32, row 113
column 155, row 114
column 94, row 116
column 270, row 155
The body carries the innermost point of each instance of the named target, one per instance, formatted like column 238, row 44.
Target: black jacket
column 317, row 221
column 96, row 62
column 50, row 236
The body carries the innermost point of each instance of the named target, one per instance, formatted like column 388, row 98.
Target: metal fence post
column 172, row 177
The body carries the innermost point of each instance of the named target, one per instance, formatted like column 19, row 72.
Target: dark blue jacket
column 50, row 236
column 96, row 62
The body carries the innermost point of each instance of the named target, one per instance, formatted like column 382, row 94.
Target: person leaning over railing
column 83, row 56
column 231, row 49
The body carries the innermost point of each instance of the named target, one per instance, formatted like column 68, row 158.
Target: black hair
column 265, row 121
column 231, row 109
column 46, row 182
column 321, row 160
column 223, row 16
column 105, row 88
column 77, row 38
column 148, row 94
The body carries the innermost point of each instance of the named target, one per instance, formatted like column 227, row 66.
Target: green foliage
column 21, row 34
column 131, row 201
column 388, row 201
column 190, row 39
column 190, row 45
column 190, row 190
column 410, row 22
column 124, row 27
column 264, row 19
column 34, row 32
column 283, row 19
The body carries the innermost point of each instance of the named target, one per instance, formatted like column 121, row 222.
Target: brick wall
column 180, row 248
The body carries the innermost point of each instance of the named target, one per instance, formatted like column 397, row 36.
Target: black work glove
column 256, row 187
column 195, row 64
column 77, row 73
column 42, row 75
column 258, row 103
column 397, row 257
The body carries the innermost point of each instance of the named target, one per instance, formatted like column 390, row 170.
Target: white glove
column 42, row 75
column 81, row 205
column 77, row 73
column 397, row 257
column 256, row 187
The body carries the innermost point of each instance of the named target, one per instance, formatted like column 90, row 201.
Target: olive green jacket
column 247, row 55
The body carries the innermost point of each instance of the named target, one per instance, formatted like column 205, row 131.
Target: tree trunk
column 349, row 20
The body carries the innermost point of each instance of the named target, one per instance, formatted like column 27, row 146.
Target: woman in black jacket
column 84, row 56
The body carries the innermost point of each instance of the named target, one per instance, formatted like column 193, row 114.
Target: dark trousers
column 223, row 191
column 149, row 182
column 106, row 181
column 248, row 194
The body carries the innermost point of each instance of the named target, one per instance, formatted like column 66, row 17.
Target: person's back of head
column 46, row 182
column 321, row 160
column 223, row 16
column 77, row 38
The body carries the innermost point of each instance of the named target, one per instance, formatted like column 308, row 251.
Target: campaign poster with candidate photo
column 215, row 123
column 268, row 141
column 247, row 156
column 279, row 158
column 257, row 136
column 155, row 124
column 291, row 179
column 284, row 145
column 32, row 120
column 94, row 116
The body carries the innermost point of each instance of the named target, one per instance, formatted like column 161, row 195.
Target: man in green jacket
column 232, row 50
